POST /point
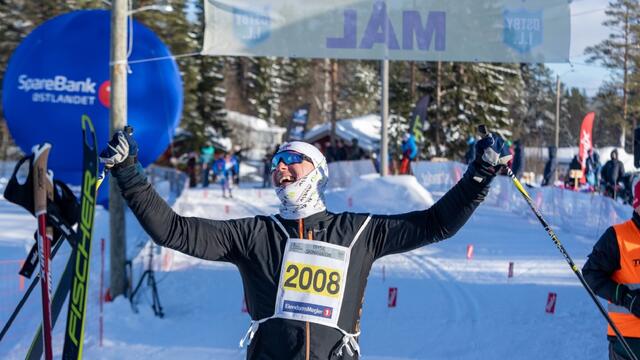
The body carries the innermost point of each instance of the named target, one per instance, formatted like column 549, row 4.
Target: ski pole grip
column 129, row 130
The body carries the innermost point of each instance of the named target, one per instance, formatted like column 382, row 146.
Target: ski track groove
column 464, row 306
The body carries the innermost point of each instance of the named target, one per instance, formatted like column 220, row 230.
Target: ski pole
column 41, row 194
column 103, row 174
column 483, row 130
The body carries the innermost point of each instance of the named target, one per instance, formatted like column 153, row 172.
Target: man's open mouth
column 287, row 180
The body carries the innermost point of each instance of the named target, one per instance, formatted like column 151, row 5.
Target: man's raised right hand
column 121, row 151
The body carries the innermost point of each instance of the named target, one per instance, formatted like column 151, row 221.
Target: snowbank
column 393, row 195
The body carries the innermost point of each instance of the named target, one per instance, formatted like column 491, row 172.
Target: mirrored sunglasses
column 288, row 158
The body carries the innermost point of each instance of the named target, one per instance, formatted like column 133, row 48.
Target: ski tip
column 89, row 137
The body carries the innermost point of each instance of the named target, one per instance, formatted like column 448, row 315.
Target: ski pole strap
column 253, row 329
column 349, row 343
column 63, row 229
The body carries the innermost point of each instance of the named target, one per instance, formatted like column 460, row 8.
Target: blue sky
column 586, row 30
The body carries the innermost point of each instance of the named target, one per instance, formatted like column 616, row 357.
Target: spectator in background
column 223, row 168
column 206, row 160
column 329, row 152
column 612, row 173
column 574, row 166
column 471, row 150
column 266, row 168
column 235, row 171
column 355, row 152
column 592, row 168
column 341, row 151
column 375, row 156
column 409, row 153
column 192, row 162
column 518, row 159
column 550, row 166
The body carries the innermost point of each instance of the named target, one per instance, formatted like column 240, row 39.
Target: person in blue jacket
column 223, row 169
column 206, row 159
column 409, row 153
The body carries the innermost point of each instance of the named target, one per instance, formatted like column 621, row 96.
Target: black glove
column 631, row 300
column 121, row 151
column 492, row 154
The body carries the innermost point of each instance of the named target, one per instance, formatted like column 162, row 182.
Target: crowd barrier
column 342, row 173
column 177, row 180
column 586, row 214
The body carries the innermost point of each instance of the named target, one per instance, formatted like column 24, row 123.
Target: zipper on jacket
column 307, row 327
column 308, row 342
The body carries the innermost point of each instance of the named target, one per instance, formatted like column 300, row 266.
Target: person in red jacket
column 613, row 272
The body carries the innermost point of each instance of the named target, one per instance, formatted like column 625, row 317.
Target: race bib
column 312, row 281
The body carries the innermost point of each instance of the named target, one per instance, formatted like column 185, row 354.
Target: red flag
column 551, row 303
column 586, row 142
column 393, row 297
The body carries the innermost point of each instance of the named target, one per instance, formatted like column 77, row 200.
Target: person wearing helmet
column 305, row 269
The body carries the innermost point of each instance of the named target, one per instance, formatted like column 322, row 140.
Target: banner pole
column 384, row 116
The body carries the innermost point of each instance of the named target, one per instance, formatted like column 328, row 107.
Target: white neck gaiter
column 304, row 197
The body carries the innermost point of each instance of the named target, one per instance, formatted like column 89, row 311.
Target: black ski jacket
column 612, row 172
column 255, row 245
column 603, row 261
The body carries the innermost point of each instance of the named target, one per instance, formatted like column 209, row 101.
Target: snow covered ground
column 448, row 307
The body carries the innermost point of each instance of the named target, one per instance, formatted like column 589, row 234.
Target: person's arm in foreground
column 202, row 238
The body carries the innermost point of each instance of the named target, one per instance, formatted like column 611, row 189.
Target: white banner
column 424, row 30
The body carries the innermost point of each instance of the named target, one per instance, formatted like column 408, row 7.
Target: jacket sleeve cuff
column 130, row 176
column 479, row 175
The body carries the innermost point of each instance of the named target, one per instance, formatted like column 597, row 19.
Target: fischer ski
column 81, row 254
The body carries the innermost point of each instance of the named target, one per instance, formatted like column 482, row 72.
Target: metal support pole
column 334, row 101
column 557, row 143
column 384, row 109
column 117, row 121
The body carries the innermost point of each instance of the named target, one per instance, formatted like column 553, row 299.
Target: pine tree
column 621, row 52
column 467, row 95
column 609, row 118
column 358, row 88
column 537, row 105
column 577, row 108
column 182, row 30
column 297, row 89
column 401, row 104
column 263, row 87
